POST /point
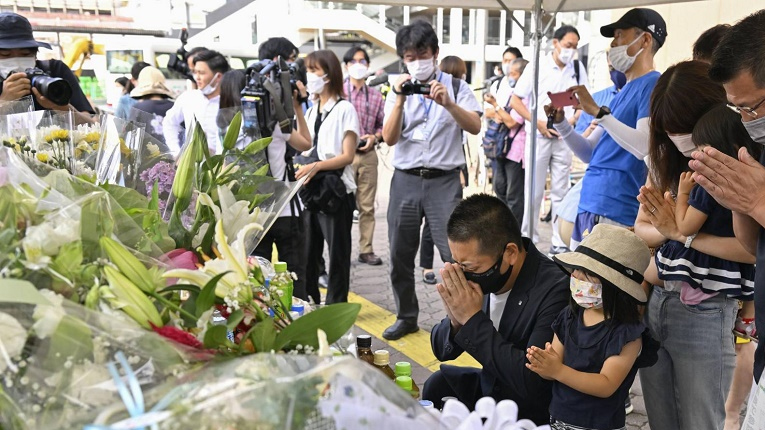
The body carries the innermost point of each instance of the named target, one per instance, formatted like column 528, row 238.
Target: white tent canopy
column 549, row 5
column 537, row 7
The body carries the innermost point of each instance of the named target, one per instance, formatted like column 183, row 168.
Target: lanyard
column 320, row 119
column 365, row 120
column 429, row 105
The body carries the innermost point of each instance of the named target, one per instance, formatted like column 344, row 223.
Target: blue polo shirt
column 614, row 176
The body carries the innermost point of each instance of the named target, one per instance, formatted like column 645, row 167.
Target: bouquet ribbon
column 132, row 396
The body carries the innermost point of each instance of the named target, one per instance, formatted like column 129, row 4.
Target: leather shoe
column 370, row 258
column 399, row 329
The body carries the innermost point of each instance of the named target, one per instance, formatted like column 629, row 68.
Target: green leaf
column 69, row 259
column 215, row 337
column 264, row 336
column 154, row 202
column 334, row 319
column 259, row 198
column 193, row 289
column 263, row 171
column 257, row 146
column 126, row 197
column 72, row 340
column 233, row 132
column 190, row 306
column 206, row 298
column 234, row 319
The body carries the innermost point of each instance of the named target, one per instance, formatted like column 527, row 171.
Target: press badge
column 420, row 133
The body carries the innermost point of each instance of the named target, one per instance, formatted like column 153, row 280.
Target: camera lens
column 57, row 90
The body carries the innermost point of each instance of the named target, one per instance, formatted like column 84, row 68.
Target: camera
column 179, row 61
column 267, row 96
column 57, row 90
column 408, row 88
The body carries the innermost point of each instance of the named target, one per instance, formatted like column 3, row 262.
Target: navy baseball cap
column 16, row 32
column 645, row 19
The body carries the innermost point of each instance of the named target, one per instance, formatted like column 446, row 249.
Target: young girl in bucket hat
column 598, row 339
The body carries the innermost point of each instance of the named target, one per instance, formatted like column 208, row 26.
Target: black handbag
column 325, row 191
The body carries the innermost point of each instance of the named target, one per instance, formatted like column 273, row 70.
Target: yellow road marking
column 374, row 320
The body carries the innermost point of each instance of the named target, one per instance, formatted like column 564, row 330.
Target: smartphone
column 566, row 98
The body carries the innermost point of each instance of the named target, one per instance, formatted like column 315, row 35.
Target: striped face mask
column 587, row 294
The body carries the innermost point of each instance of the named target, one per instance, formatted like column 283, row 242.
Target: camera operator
column 287, row 232
column 198, row 105
column 427, row 131
column 18, row 51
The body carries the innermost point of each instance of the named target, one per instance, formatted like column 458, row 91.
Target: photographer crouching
column 424, row 118
column 51, row 82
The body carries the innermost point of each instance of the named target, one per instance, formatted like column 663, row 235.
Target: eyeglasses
column 362, row 61
column 752, row 111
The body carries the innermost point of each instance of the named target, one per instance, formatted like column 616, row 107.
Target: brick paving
column 373, row 283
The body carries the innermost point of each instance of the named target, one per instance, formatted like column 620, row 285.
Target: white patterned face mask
column 588, row 295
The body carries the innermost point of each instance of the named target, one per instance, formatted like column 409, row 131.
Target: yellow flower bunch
column 92, row 138
column 57, row 135
column 42, row 157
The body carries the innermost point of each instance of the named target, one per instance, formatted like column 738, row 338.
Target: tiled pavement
column 373, row 284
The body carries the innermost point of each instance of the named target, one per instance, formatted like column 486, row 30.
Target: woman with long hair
column 687, row 387
column 333, row 124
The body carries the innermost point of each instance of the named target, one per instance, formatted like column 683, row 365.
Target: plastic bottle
column 282, row 281
column 300, row 309
column 364, row 349
column 404, row 368
column 405, row 383
column 382, row 362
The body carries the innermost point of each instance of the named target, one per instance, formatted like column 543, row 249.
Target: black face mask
column 491, row 280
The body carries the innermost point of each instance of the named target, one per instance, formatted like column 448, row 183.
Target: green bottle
column 404, row 368
column 283, row 283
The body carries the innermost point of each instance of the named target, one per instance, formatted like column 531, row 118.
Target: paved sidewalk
column 373, row 284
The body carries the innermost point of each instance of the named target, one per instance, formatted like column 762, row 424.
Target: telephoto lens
column 57, row 90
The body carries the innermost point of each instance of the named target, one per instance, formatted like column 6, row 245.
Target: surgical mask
column 314, row 83
column 684, row 143
column 619, row 58
column 511, row 82
column 210, row 88
column 491, row 280
column 422, row 70
column 566, row 55
column 506, row 68
column 15, row 64
column 756, row 130
column 358, row 71
column 619, row 79
column 588, row 295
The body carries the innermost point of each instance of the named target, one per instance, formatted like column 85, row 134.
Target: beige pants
column 365, row 171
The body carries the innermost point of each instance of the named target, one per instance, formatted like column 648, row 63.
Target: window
column 446, row 36
column 122, row 61
column 465, row 28
column 492, row 29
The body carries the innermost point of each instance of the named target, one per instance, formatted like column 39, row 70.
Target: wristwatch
column 689, row 240
column 604, row 110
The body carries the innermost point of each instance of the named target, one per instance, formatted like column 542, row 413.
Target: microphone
column 383, row 78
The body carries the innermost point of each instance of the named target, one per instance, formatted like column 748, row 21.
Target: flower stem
column 172, row 306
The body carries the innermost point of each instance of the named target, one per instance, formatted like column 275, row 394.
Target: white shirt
column 278, row 166
column 497, row 307
column 551, row 79
column 430, row 136
column 341, row 120
column 189, row 107
column 502, row 92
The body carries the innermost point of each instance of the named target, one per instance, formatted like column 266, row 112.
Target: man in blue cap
column 18, row 52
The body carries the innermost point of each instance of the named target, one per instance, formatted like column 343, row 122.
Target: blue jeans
column 686, row 389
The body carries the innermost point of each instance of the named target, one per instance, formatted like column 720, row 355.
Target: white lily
column 233, row 259
column 234, row 214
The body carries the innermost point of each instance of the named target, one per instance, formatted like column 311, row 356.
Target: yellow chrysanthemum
column 92, row 137
column 60, row 135
column 123, row 148
column 42, row 157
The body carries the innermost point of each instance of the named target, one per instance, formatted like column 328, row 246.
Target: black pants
column 509, row 177
column 336, row 230
column 287, row 233
column 466, row 388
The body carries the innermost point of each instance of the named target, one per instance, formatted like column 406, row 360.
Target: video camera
column 56, row 90
column 409, row 87
column 267, row 96
column 179, row 61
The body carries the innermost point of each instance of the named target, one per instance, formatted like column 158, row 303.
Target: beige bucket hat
column 614, row 254
column 151, row 81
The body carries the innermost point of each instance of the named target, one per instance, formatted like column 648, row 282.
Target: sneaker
column 555, row 250
column 355, row 217
column 628, row 408
column 745, row 328
column 429, row 277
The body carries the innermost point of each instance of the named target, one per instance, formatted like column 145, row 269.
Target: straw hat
column 614, row 254
column 151, row 81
